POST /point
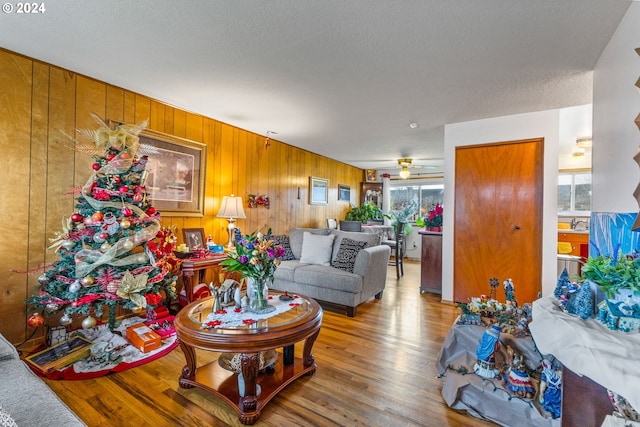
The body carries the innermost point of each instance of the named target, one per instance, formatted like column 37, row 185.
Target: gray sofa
column 331, row 284
column 25, row 398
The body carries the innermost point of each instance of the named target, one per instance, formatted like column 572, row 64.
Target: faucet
column 575, row 222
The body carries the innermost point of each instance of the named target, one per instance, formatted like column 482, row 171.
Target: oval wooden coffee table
column 301, row 322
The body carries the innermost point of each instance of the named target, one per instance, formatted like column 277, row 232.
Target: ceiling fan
column 405, row 164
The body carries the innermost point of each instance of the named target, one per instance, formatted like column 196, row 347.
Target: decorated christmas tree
column 112, row 250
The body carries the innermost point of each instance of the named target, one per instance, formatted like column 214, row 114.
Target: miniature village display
column 498, row 361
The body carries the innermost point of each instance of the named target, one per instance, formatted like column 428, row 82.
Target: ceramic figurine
column 550, row 390
column 237, row 296
column 581, row 302
column 563, row 281
column 510, row 292
column 485, row 353
column 516, row 377
column 217, row 299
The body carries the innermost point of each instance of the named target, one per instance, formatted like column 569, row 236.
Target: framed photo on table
column 318, row 191
column 175, row 173
column 194, row 238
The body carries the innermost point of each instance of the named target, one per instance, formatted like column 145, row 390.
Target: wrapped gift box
column 143, row 337
column 163, row 327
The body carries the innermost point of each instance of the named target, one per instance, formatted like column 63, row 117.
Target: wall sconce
column 231, row 209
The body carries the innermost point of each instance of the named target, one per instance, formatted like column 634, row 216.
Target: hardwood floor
column 377, row 369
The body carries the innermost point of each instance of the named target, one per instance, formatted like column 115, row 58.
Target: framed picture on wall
column 344, row 193
column 370, row 175
column 175, row 173
column 318, row 191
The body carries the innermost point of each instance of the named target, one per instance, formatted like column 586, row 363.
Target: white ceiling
column 341, row 78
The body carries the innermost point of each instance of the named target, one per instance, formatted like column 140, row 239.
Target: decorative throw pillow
column 6, row 420
column 347, row 253
column 283, row 241
column 316, row 249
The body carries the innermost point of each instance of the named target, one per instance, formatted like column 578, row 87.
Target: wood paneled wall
column 39, row 102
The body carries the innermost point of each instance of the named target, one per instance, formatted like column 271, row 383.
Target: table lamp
column 231, row 209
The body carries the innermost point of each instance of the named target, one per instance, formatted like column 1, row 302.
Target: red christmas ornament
column 35, row 320
column 160, row 234
column 95, row 166
column 76, row 217
column 110, row 157
column 117, row 179
column 104, row 236
column 123, row 189
column 126, row 211
column 151, row 210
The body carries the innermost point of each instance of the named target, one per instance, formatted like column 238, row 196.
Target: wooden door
column 498, row 219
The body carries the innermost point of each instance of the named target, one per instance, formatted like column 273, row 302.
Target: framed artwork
column 370, row 175
column 60, row 355
column 371, row 192
column 194, row 238
column 318, row 191
column 344, row 193
column 175, row 173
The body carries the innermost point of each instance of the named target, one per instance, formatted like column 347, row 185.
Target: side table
column 191, row 266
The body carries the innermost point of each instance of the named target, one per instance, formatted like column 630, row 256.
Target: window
column 574, row 191
column 426, row 195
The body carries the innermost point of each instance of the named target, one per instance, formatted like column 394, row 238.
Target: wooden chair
column 397, row 248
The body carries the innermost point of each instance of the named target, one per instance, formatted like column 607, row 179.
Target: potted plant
column 433, row 221
column 615, row 275
column 404, row 215
column 359, row 215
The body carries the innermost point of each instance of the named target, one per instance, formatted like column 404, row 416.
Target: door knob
column 517, row 227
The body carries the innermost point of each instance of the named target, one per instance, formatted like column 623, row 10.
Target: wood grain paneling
column 41, row 103
column 16, row 74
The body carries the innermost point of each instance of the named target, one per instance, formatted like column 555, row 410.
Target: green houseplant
column 613, row 274
column 404, row 215
column 364, row 212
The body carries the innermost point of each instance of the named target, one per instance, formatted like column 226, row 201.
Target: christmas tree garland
column 113, row 250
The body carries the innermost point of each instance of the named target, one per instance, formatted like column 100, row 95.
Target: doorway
column 498, row 219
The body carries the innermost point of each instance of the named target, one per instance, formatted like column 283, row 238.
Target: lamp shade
column 404, row 173
column 231, row 207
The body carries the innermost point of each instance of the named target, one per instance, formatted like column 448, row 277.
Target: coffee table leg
column 288, row 355
column 250, row 363
column 307, row 357
column 189, row 370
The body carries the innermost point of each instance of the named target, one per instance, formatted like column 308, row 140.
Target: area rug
column 120, row 355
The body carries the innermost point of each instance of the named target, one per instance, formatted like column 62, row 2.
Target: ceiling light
column 404, row 173
column 584, row 142
column 413, row 125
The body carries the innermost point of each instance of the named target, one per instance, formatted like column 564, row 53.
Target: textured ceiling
column 342, row 78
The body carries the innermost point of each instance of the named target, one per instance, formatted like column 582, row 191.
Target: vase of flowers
column 256, row 258
column 433, row 221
